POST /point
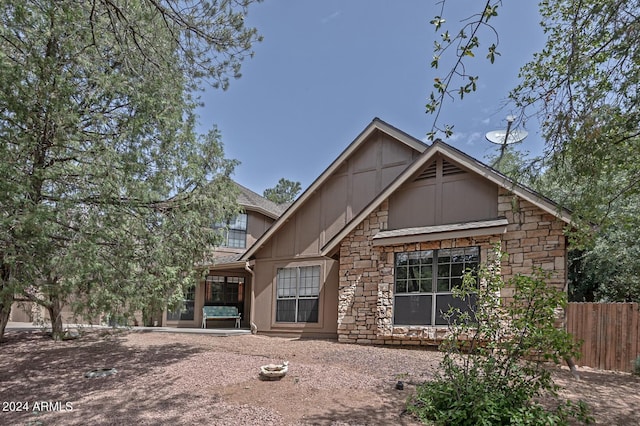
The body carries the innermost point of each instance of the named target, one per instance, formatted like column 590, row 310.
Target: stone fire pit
column 274, row 371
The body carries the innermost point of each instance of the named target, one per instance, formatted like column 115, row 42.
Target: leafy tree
column 493, row 369
column 581, row 90
column 106, row 190
column 603, row 266
column 581, row 87
column 460, row 45
column 515, row 164
column 284, row 192
column 609, row 271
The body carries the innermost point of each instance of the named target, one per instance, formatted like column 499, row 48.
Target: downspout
column 254, row 327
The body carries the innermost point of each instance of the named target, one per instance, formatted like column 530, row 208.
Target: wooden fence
column 610, row 333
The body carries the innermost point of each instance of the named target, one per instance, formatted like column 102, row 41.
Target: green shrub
column 493, row 371
column 471, row 403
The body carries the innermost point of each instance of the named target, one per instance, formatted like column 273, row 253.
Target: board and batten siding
column 375, row 164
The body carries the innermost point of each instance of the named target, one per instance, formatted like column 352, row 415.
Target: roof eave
column 225, row 266
column 260, row 210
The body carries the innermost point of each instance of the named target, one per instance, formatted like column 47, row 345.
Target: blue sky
column 326, row 68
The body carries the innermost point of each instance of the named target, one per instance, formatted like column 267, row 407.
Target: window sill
column 295, row 325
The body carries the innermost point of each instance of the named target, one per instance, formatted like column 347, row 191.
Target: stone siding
column 534, row 238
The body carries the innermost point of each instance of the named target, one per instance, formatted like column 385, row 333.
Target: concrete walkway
column 27, row 326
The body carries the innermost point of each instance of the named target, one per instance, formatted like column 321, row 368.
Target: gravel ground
column 184, row 379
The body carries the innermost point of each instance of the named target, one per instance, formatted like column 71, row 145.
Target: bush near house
column 493, row 371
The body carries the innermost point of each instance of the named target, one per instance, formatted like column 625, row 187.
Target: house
column 225, row 283
column 370, row 251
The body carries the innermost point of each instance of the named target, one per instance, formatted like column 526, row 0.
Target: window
column 186, row 311
column 297, row 294
column 423, row 284
column 222, row 290
column 234, row 232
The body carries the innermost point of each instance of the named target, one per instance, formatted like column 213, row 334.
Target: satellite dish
column 506, row 137
column 501, row 137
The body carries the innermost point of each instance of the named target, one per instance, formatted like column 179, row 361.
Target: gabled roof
column 470, row 163
column 375, row 125
column 254, row 202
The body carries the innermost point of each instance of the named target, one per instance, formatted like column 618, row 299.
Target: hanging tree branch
column 466, row 44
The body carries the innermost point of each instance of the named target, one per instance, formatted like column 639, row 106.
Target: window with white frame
column 234, row 231
column 424, row 281
column 297, row 291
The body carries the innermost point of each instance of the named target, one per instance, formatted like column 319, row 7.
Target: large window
column 223, row 290
column 423, row 284
column 297, row 294
column 186, row 310
column 234, row 232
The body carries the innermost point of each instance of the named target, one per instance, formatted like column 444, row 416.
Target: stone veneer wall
column 533, row 238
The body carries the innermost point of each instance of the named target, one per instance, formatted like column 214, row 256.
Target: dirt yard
column 184, row 379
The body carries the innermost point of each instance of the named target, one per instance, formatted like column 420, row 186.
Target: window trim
column 434, row 293
column 241, row 284
column 319, row 297
column 227, row 227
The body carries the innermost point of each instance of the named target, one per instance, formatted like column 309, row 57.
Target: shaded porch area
column 224, row 285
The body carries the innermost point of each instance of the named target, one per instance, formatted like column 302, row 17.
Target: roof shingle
column 253, row 201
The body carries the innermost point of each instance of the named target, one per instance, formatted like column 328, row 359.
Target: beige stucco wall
column 265, row 298
column 34, row 313
column 26, row 312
